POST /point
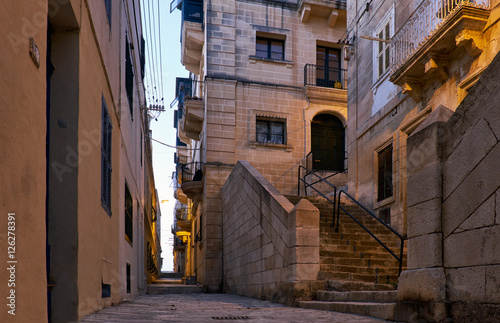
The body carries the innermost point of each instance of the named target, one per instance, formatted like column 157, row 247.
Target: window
column 107, row 4
column 383, row 56
column 381, row 49
column 270, row 48
column 384, row 173
column 105, row 290
column 271, row 130
column 128, row 279
column 106, row 131
column 129, row 215
column 129, row 77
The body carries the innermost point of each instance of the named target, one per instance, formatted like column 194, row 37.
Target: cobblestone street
column 196, row 308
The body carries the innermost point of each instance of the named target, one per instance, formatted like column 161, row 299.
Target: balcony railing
column 325, row 77
column 425, row 21
column 191, row 172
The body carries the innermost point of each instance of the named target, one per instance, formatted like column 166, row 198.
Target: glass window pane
column 261, row 47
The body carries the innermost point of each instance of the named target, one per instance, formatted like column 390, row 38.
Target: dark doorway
column 327, row 66
column 327, row 143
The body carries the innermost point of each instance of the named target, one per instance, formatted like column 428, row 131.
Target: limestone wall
column 454, row 211
column 270, row 247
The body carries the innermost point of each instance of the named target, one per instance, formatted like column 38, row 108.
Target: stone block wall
column 270, row 247
column 454, row 211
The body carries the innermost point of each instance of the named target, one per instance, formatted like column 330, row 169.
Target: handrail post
column 401, row 255
column 298, row 182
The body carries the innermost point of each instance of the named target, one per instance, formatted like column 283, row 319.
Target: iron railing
column 325, row 76
column 337, row 207
column 192, row 172
column 402, row 238
column 422, row 24
column 311, row 185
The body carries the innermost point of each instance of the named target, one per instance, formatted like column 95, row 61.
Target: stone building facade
column 397, row 81
column 267, row 77
column 76, row 172
column 413, row 64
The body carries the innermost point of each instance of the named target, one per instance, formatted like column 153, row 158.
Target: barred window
column 129, row 215
column 271, row 130
column 106, row 132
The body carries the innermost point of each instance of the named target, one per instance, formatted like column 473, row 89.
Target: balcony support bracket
column 471, row 40
column 333, row 18
column 412, row 87
column 306, row 12
column 436, row 65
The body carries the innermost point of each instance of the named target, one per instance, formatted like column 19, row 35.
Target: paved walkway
column 197, row 308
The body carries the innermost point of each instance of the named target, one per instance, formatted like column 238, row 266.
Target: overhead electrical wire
column 170, row 146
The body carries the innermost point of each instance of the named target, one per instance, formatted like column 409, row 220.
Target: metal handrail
column 321, row 179
column 402, row 238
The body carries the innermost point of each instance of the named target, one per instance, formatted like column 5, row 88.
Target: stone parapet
column 270, row 247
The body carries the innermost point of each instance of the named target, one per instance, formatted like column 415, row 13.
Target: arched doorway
column 327, row 143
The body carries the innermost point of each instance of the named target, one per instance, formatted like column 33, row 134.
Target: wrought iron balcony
column 192, row 180
column 325, row 77
column 431, row 33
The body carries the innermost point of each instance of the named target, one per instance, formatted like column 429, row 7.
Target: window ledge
column 384, row 202
column 255, row 144
column 254, row 59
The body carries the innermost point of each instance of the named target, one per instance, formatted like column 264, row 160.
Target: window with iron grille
column 271, row 130
column 107, row 4
column 129, row 77
column 385, row 188
column 270, row 48
column 106, row 131
column 129, row 215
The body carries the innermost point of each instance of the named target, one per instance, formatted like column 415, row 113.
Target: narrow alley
column 196, row 308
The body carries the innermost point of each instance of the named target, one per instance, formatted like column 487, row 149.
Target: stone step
column 171, row 275
column 168, row 281
column 361, row 262
column 386, row 296
column 361, row 269
column 385, row 311
column 174, row 289
column 357, row 277
column 347, row 285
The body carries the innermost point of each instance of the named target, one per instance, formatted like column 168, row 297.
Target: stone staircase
column 360, row 275
column 172, row 283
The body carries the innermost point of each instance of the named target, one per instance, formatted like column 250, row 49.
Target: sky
column 162, row 128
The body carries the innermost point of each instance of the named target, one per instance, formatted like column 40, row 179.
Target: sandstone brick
column 482, row 217
column 472, row 192
column 424, row 218
column 493, row 284
column 425, row 251
column 424, row 184
column 475, row 247
column 473, row 147
column 424, row 285
column 466, row 284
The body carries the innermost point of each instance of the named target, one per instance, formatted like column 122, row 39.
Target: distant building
column 76, row 165
column 267, row 85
